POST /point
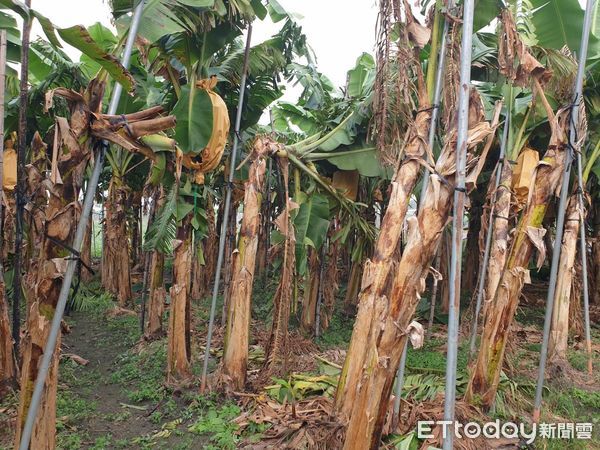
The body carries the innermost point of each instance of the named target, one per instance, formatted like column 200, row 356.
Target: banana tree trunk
column 230, row 260
column 203, row 274
column 484, row 379
column 331, row 277
column 235, row 358
column 377, row 270
column 86, row 252
column 157, row 296
column 61, row 212
column 559, row 329
column 73, row 141
column 364, row 391
column 311, row 291
column 353, row 286
column 595, row 259
column 471, row 263
column 276, row 351
column 501, row 228
column 116, row 277
column 178, row 346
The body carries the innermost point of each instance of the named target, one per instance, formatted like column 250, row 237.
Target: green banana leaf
column 194, row 119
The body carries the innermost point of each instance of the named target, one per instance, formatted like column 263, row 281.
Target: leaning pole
column 458, row 214
column 225, row 223
column 560, row 220
column 88, row 203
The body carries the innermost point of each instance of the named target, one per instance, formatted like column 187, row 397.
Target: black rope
column 497, row 216
column 126, row 124
column 75, row 254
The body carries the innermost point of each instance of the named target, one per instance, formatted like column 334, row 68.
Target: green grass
column 142, row 374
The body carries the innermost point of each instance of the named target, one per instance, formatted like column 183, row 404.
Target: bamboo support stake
column 234, row 150
column 560, row 220
column 88, row 204
column 458, row 214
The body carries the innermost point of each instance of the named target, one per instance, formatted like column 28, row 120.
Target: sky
column 337, row 30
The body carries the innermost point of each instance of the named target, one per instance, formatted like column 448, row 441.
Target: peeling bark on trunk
column 61, row 212
column 157, row 296
column 377, row 270
column 380, row 328
column 178, row 348
column 135, row 200
column 353, row 286
column 73, row 140
column 500, row 237
column 8, row 370
column 311, row 292
column 594, row 274
column 331, row 277
column 485, row 376
column 203, row 274
column 559, row 329
column 471, row 263
column 235, row 358
column 86, row 252
column 230, row 260
column 276, row 350
column 116, row 277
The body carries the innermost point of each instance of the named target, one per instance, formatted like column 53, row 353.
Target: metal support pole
column 584, row 270
column 560, row 220
column 457, row 221
column 399, row 384
column 232, row 166
column 88, row 204
column 437, row 98
column 488, row 238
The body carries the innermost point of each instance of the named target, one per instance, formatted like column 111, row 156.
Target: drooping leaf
column 558, row 23
column 485, row 11
column 78, row 37
column 357, row 77
column 364, row 160
column 194, row 112
column 16, row 6
column 311, row 224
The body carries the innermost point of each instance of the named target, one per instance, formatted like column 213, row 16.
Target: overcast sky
column 338, row 30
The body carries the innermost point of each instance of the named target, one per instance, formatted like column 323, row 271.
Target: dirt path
column 93, row 339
